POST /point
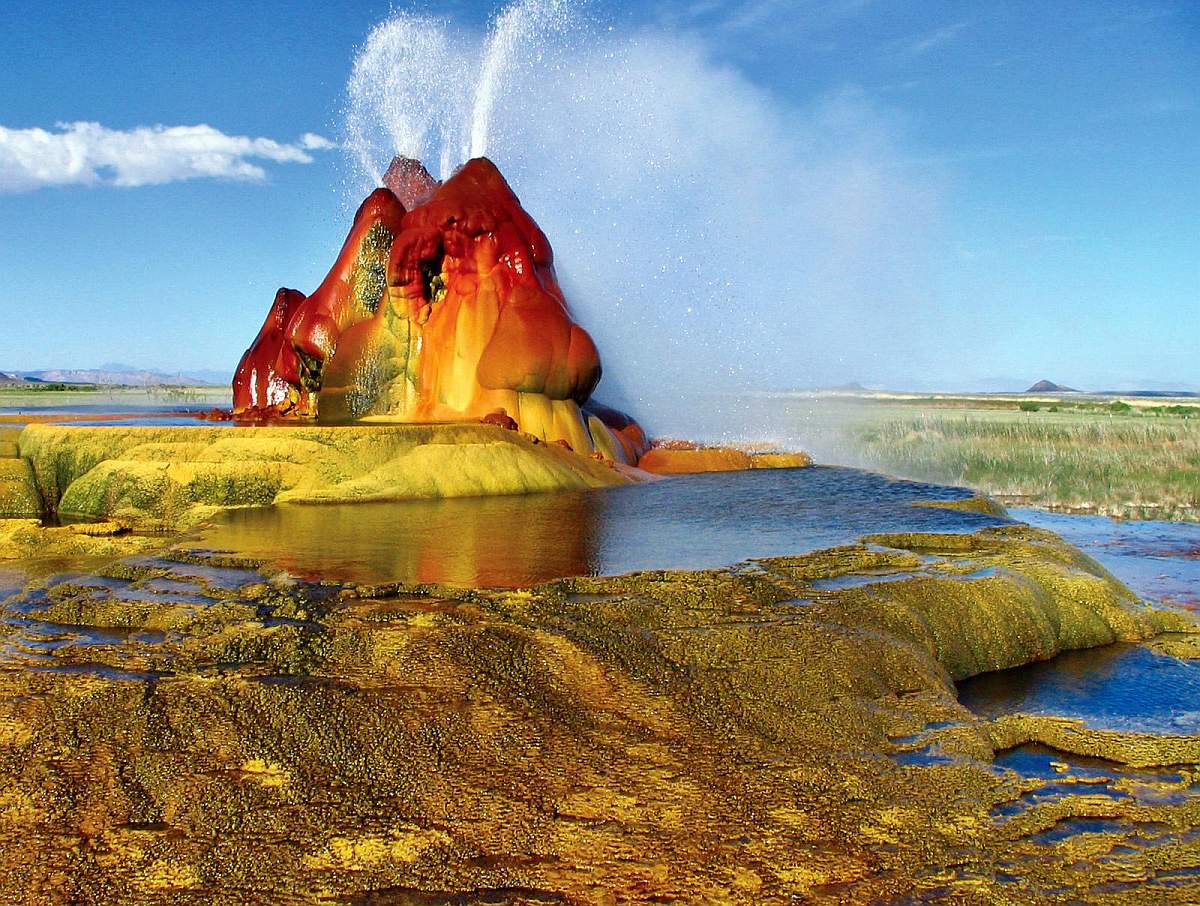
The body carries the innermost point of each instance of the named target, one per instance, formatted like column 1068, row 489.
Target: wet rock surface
column 187, row 726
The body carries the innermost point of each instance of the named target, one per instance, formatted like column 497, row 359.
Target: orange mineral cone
column 448, row 311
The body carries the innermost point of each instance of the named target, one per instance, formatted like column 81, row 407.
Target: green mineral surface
column 172, row 478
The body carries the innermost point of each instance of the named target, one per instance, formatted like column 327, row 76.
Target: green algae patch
column 1181, row 643
column 975, row 504
column 1072, row 735
column 1020, row 595
column 18, row 493
column 168, row 478
column 30, row 540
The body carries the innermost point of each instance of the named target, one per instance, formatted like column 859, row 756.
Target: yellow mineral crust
column 722, row 736
column 18, row 492
column 29, row 539
column 165, row 478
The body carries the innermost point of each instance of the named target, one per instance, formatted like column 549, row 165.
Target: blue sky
column 1025, row 200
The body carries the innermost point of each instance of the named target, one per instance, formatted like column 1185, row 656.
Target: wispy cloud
column 786, row 16
column 936, row 39
column 90, row 154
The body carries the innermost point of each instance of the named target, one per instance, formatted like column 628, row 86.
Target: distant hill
column 126, row 377
column 15, row 377
column 1050, row 387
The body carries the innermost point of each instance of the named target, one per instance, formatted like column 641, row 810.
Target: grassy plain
column 54, row 395
column 1134, row 458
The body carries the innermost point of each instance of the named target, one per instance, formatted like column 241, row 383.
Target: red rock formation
column 259, row 385
column 409, row 181
column 448, row 310
column 351, row 293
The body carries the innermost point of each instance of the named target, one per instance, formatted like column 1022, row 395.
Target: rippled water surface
column 686, row 522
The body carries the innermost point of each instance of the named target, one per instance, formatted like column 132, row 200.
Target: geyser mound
column 442, row 306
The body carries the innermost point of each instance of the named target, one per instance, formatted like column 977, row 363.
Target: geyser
column 443, row 305
column 714, row 234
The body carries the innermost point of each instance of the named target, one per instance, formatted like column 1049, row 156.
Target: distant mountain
column 1050, row 387
column 123, row 376
column 212, row 377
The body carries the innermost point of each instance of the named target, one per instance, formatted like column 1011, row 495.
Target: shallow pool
column 685, row 522
column 1117, row 687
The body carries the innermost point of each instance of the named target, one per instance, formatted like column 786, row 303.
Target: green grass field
column 1123, row 458
column 53, row 395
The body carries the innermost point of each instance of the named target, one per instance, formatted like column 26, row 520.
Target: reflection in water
column 474, row 541
column 11, row 581
column 689, row 522
column 1117, row 687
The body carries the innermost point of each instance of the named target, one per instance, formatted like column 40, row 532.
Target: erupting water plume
column 423, row 92
column 712, row 235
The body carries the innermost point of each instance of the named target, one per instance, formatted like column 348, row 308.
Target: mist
column 712, row 238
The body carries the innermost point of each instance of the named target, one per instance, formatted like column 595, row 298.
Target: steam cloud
column 710, row 235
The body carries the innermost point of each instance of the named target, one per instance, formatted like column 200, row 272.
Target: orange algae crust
column 724, row 736
column 679, row 457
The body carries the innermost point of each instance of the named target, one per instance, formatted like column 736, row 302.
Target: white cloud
column 310, row 141
column 937, row 38
column 83, row 153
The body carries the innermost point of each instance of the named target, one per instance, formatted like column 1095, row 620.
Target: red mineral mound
column 442, row 306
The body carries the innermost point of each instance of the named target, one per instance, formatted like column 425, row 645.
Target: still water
column 1122, row 687
column 685, row 522
column 701, row 521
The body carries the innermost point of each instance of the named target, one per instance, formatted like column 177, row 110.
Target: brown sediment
column 202, row 731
